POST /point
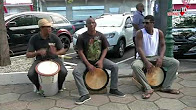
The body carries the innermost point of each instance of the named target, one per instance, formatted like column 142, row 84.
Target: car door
column 128, row 31
column 19, row 30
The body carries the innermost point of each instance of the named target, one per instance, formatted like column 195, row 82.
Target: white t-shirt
column 150, row 42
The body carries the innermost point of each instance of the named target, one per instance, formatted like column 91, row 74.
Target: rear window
column 109, row 21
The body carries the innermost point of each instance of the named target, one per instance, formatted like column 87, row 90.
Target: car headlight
column 76, row 35
column 110, row 35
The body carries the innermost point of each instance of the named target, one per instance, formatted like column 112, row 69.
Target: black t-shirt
column 37, row 42
column 92, row 46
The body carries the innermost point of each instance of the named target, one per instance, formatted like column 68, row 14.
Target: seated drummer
column 92, row 49
column 45, row 46
column 151, row 47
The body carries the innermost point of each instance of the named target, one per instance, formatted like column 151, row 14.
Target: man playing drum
column 45, row 46
column 151, row 47
column 92, row 49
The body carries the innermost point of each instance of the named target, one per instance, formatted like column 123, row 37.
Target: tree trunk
column 4, row 47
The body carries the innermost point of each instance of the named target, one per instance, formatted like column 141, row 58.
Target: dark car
column 21, row 26
column 78, row 24
column 184, row 33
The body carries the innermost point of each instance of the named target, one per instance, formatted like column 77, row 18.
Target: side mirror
column 12, row 24
column 128, row 26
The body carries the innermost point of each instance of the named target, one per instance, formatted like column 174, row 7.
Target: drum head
column 156, row 77
column 96, row 81
column 47, row 68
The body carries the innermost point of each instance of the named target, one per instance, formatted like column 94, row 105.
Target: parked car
column 78, row 24
column 21, row 26
column 184, row 33
column 118, row 30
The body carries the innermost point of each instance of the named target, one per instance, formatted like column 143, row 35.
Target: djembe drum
column 48, row 76
column 156, row 77
column 97, row 80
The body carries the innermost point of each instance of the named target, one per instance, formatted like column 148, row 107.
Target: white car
column 118, row 30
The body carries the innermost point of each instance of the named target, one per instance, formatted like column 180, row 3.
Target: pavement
column 20, row 96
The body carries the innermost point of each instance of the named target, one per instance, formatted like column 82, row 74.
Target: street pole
column 169, row 38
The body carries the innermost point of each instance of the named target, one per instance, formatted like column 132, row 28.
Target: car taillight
column 73, row 27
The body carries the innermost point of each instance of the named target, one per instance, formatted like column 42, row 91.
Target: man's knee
column 64, row 71
column 31, row 73
column 76, row 72
column 114, row 67
column 175, row 62
column 135, row 66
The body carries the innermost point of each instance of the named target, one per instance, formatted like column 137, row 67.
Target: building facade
column 16, row 6
column 81, row 9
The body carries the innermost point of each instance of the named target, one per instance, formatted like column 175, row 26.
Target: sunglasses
column 146, row 22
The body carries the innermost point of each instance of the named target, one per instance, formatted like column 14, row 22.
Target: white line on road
column 70, row 53
column 125, row 60
column 69, row 63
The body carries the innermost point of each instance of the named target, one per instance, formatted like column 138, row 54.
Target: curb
column 21, row 77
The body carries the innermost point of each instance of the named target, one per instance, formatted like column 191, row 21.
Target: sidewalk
column 22, row 97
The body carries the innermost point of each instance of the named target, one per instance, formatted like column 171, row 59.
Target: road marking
column 125, row 60
column 70, row 53
column 69, row 63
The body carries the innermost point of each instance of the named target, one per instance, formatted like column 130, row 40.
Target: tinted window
column 45, row 16
column 58, row 20
column 128, row 21
column 109, row 21
column 23, row 20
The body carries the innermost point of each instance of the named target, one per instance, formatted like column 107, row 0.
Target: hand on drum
column 99, row 64
column 149, row 67
column 42, row 52
column 91, row 68
column 159, row 62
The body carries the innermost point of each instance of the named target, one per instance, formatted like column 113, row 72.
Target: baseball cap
column 44, row 22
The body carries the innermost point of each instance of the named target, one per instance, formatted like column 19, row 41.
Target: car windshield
column 109, row 21
column 184, row 22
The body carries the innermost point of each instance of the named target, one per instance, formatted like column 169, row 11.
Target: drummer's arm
column 61, row 52
column 161, row 44
column 82, row 56
column 31, row 54
column 41, row 52
column 104, row 52
column 162, row 49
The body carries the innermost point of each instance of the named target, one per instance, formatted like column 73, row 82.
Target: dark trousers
column 33, row 76
column 134, row 47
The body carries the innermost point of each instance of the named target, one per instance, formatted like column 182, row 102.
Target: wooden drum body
column 48, row 77
column 96, row 81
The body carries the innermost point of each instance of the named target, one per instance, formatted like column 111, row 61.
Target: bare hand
column 159, row 62
column 99, row 64
column 42, row 52
column 149, row 67
column 91, row 68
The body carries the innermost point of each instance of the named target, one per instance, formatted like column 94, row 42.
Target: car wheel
column 66, row 42
column 120, row 49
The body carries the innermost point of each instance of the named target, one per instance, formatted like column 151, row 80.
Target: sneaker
column 40, row 92
column 83, row 99
column 116, row 92
column 61, row 90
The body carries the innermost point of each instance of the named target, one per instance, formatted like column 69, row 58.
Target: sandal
column 147, row 94
column 171, row 91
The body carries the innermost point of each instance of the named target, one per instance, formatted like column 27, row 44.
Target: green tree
column 4, row 47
